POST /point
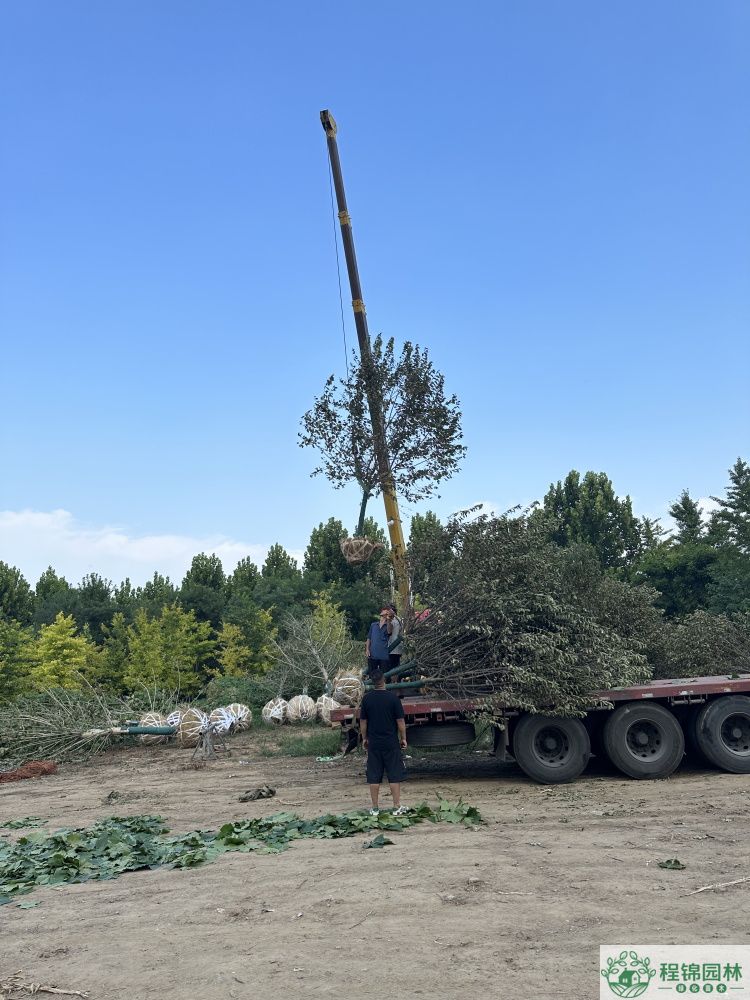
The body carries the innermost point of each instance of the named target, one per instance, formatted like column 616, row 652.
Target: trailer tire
column 441, row 734
column 644, row 740
column 551, row 750
column 723, row 733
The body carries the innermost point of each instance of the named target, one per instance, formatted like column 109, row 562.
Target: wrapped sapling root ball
column 222, row 720
column 301, row 709
column 348, row 689
column 194, row 722
column 242, row 714
column 153, row 719
column 274, row 711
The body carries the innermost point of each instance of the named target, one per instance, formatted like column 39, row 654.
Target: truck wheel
column 644, row 741
column 551, row 750
column 723, row 733
column 441, row 734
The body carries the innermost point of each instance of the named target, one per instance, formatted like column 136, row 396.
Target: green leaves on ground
column 22, row 824
column 379, row 841
column 122, row 844
column 673, row 864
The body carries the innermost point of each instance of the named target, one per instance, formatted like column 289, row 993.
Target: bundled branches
column 508, row 623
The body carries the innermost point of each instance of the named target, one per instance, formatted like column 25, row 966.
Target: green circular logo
column 628, row 975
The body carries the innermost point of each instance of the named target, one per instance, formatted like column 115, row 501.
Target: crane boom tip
column 329, row 123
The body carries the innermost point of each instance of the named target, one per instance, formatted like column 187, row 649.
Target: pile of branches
column 515, row 619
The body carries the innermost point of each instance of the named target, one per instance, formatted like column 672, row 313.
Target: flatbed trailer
column 644, row 730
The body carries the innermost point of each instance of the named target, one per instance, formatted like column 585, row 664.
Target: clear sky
column 553, row 197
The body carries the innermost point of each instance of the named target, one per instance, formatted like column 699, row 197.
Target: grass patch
column 301, row 741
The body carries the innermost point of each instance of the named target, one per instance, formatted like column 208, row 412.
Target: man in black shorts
column 381, row 722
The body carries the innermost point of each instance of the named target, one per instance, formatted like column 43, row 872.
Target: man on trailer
column 381, row 722
column 378, row 639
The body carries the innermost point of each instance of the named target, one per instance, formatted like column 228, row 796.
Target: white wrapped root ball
column 274, row 711
column 301, row 708
column 153, row 719
column 222, row 720
column 324, row 706
column 193, row 724
column 242, row 714
column 348, row 689
column 175, row 718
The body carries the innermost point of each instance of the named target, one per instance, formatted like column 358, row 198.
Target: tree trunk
column 362, row 509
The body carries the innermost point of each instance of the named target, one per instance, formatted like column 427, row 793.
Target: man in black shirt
column 381, row 722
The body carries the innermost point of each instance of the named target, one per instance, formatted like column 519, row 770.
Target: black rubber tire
column 551, row 750
column 441, row 734
column 664, row 741
column 690, row 728
column 723, row 733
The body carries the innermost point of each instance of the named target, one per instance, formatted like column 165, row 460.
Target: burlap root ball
column 222, row 720
column 153, row 719
column 348, row 689
column 242, row 714
column 194, row 722
column 274, row 711
column 324, row 706
column 301, row 708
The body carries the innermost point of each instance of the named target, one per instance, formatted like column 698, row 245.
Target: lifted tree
column 422, row 426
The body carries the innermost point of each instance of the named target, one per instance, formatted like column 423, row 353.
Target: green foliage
column 314, row 649
column 254, row 691
column 16, row 659
column 171, row 651
column 702, row 644
column 16, row 596
column 687, row 516
column 122, row 844
column 204, row 589
column 422, row 425
column 732, row 520
column 429, row 553
column 681, row 573
column 509, row 625
column 588, row 510
column 60, row 654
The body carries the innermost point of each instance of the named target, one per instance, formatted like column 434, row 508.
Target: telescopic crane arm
column 375, row 404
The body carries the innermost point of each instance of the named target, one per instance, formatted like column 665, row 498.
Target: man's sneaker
column 401, row 811
column 374, row 812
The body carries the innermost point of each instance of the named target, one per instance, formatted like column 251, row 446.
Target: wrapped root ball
column 301, row 708
column 325, row 706
column 193, row 723
column 274, row 711
column 175, row 718
column 348, row 689
column 222, row 720
column 242, row 714
column 153, row 719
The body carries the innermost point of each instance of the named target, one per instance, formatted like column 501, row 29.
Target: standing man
column 377, row 643
column 395, row 633
column 381, row 722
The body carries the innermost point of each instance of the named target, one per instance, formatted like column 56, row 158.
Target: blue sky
column 552, row 197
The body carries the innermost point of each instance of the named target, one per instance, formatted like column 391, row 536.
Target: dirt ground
column 514, row 909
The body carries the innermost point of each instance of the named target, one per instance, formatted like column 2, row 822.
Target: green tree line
column 686, row 594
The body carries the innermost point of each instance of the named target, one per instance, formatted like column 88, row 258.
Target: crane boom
column 374, row 403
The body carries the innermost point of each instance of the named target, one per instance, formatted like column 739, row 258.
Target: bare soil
column 516, row 908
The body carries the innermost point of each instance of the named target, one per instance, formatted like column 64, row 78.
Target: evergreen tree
column 687, row 515
column 16, row 596
column 61, row 655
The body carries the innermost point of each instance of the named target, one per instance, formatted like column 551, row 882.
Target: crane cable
column 338, row 266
